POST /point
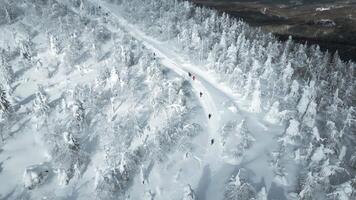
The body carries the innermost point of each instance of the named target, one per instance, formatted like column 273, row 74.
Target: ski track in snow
column 214, row 95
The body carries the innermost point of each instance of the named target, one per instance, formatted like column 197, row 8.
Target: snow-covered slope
column 162, row 100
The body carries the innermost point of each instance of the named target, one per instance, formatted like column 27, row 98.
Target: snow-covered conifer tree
column 256, row 105
column 54, row 44
column 245, row 134
column 274, row 116
column 5, row 105
column 262, row 194
column 231, row 59
column 26, row 49
column 239, row 189
column 292, row 134
column 6, row 73
column 287, row 77
column 237, row 139
column 307, row 97
column 310, row 114
column 292, row 98
column 5, row 110
column 41, row 104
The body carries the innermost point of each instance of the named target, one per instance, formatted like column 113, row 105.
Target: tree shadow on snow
column 204, row 183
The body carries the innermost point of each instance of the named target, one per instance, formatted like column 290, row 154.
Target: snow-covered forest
column 160, row 99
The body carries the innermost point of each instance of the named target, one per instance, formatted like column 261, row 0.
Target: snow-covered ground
column 224, row 105
column 103, row 109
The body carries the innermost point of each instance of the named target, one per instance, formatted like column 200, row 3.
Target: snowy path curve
column 171, row 60
column 215, row 94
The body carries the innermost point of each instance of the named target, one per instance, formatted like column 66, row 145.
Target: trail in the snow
column 215, row 95
column 168, row 59
column 19, row 152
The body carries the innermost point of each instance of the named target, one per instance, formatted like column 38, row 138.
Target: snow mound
column 35, row 175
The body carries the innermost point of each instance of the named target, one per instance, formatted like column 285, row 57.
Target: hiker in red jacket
column 193, row 78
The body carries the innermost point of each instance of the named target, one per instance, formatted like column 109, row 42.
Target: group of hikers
column 201, row 95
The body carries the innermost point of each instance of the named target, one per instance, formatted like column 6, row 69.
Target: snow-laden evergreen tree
column 292, row 98
column 262, row 194
column 73, row 50
column 305, row 100
column 310, row 115
column 274, row 116
column 287, row 77
column 255, row 105
column 41, row 106
column 5, row 110
column 231, row 59
column 54, row 44
column 292, row 134
column 5, row 105
column 236, row 140
column 26, row 49
column 6, row 72
column 239, row 189
column 246, row 136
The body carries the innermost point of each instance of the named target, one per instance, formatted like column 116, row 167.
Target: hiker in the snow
column 144, row 175
column 189, row 74
column 193, row 78
column 209, row 116
column 212, row 141
column 154, row 56
column 201, row 94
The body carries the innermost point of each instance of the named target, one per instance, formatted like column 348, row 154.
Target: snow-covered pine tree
column 54, row 44
column 237, row 139
column 310, row 115
column 73, row 50
column 262, row 194
column 349, row 124
column 307, row 97
column 256, row 106
column 231, row 59
column 268, row 80
column 292, row 134
column 239, row 189
column 7, row 74
column 287, row 77
column 5, row 110
column 274, row 116
column 5, row 105
column 26, row 49
column 41, row 104
column 246, row 136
